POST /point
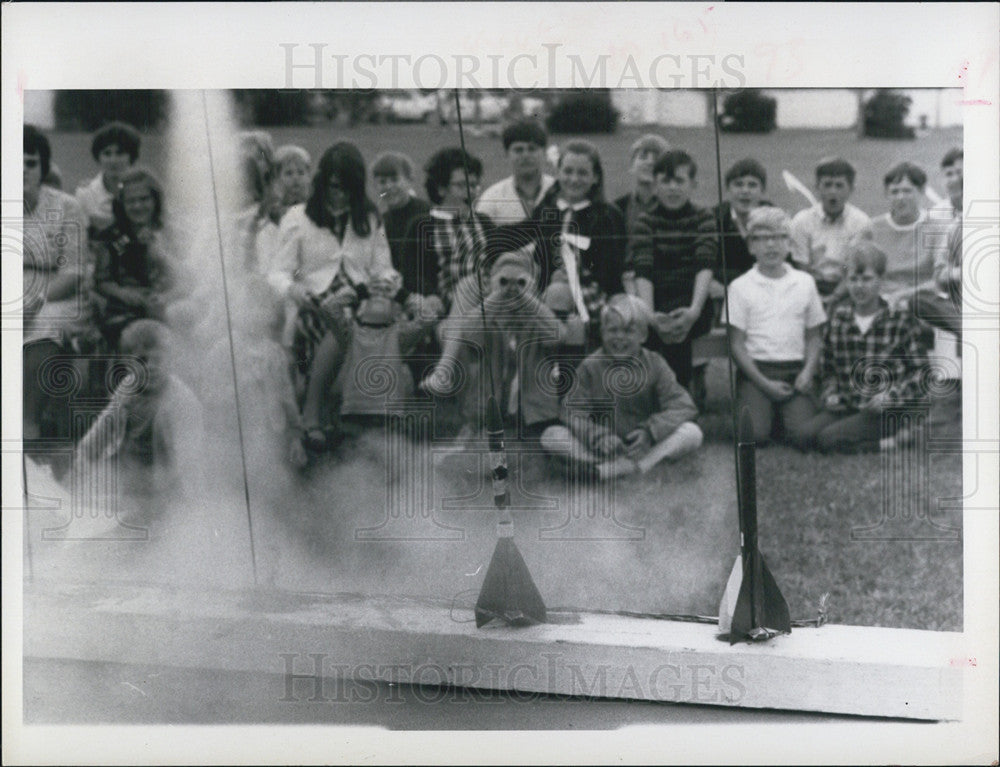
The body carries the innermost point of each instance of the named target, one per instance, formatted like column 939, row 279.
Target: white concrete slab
column 836, row 669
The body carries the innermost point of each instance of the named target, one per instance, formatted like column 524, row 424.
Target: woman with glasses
column 448, row 252
column 450, row 244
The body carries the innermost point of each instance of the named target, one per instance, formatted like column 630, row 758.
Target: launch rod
column 477, row 267
column 232, row 347
column 725, row 300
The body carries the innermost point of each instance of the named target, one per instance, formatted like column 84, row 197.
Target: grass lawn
column 794, row 150
column 811, row 507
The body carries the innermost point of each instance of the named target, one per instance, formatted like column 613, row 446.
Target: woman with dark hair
column 330, row 244
column 451, row 243
column 115, row 148
column 134, row 267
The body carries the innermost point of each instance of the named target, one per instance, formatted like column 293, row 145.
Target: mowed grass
column 813, row 508
column 793, row 150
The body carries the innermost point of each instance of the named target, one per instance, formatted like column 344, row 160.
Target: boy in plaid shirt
column 872, row 360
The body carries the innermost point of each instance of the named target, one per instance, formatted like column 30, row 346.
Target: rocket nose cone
column 746, row 427
column 494, row 421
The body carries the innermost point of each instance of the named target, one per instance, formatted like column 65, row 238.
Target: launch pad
column 312, row 640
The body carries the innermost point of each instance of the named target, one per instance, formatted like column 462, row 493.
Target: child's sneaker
column 441, row 382
column 617, row 467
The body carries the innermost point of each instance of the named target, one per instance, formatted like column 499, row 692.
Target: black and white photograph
column 474, row 382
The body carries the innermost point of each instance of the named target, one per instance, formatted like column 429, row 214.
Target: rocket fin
column 509, row 594
column 728, row 604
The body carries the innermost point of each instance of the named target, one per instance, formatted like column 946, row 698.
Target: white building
column 812, row 108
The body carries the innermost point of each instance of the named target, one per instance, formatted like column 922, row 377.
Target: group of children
column 577, row 314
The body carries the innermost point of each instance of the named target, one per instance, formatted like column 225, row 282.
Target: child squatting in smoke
column 506, row 349
column 152, row 427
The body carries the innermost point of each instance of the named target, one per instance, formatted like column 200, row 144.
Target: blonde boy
column 627, row 412
column 775, row 319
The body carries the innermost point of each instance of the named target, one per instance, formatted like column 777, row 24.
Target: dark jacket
column 602, row 262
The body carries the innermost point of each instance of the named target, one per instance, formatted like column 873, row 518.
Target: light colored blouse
column 312, row 257
column 96, row 202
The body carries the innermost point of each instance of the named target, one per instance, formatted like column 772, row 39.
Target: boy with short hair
column 115, row 148
column 775, row 320
column 393, row 175
column 940, row 304
column 672, row 251
column 513, row 199
column 901, row 234
column 824, row 231
column 745, row 182
column 643, row 154
column 58, row 311
column 651, row 414
column 952, row 168
column 866, row 341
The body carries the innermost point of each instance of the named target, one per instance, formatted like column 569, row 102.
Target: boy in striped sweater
column 672, row 251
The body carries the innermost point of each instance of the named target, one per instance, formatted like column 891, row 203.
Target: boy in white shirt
column 775, row 318
column 512, row 200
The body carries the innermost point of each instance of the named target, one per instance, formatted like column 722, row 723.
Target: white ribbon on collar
column 569, row 244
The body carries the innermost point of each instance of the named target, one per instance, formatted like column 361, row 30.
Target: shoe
column 315, row 439
column 440, row 383
column 616, row 467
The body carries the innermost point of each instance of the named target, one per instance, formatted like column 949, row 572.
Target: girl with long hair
column 331, row 243
column 134, row 260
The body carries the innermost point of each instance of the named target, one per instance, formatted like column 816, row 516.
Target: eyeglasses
column 768, row 237
column 520, row 282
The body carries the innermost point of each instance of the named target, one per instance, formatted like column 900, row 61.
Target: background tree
column 884, row 115
column 88, row 110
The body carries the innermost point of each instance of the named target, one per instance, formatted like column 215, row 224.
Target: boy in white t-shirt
column 775, row 318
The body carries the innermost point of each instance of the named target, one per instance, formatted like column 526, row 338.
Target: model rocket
column 752, row 607
column 508, row 593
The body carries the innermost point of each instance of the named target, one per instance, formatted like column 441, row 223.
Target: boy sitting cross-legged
column 775, row 320
column 628, row 412
column 872, row 359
